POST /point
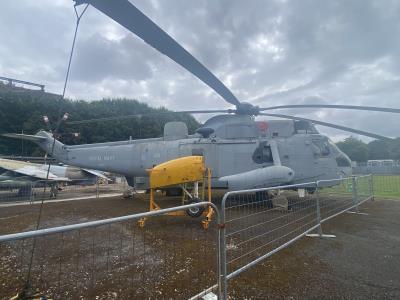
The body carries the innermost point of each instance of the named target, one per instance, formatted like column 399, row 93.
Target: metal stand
column 198, row 178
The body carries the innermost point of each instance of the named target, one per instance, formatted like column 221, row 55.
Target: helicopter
column 242, row 151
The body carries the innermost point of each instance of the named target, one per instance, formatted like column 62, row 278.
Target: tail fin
column 33, row 138
column 45, row 141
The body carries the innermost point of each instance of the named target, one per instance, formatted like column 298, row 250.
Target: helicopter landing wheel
column 195, row 212
column 263, row 198
column 311, row 190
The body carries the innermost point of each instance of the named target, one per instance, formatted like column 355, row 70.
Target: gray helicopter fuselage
column 231, row 144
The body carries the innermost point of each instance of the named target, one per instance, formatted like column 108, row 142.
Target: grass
column 387, row 186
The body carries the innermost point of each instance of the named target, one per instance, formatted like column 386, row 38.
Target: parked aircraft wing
column 96, row 173
column 36, row 172
column 11, row 164
column 40, row 174
column 29, row 170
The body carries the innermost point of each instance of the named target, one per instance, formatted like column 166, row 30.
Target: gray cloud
column 268, row 52
column 98, row 58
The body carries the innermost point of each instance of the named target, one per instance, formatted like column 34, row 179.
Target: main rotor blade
column 205, row 111
column 149, row 114
column 344, row 128
column 127, row 15
column 334, row 106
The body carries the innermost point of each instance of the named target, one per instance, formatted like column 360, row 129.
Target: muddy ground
column 362, row 262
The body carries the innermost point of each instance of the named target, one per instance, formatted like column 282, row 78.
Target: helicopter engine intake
column 259, row 178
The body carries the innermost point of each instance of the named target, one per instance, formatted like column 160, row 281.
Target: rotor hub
column 245, row 108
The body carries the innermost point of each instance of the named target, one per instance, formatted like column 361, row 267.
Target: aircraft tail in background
column 45, row 141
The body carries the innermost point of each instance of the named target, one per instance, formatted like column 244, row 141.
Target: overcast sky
column 266, row 52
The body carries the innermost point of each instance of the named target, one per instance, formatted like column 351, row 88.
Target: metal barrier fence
column 114, row 258
column 260, row 222
column 174, row 257
column 47, row 190
column 382, row 170
column 387, row 185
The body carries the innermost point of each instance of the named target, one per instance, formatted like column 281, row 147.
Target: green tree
column 354, row 148
column 23, row 110
column 394, row 148
column 378, row 149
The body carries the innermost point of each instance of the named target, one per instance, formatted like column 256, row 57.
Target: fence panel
column 172, row 258
column 258, row 222
column 336, row 195
column 387, row 186
column 78, row 189
column 376, row 170
column 364, row 187
column 15, row 191
column 50, row 190
column 258, row 225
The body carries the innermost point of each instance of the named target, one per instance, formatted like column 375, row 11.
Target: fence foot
column 142, row 222
column 205, row 224
column 356, row 213
column 321, row 235
column 209, row 296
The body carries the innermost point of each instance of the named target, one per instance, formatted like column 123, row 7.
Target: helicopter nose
column 347, row 172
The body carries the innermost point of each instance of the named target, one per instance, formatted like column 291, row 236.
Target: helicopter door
column 235, row 158
column 171, row 152
column 323, row 157
column 185, row 149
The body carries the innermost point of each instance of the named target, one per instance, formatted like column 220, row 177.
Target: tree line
column 22, row 110
column 359, row 151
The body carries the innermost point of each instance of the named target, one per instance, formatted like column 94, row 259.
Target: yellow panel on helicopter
column 177, row 171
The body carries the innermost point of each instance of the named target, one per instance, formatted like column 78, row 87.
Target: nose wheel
column 197, row 211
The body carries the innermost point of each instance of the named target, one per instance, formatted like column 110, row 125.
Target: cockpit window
column 322, row 146
column 343, row 161
column 262, row 154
